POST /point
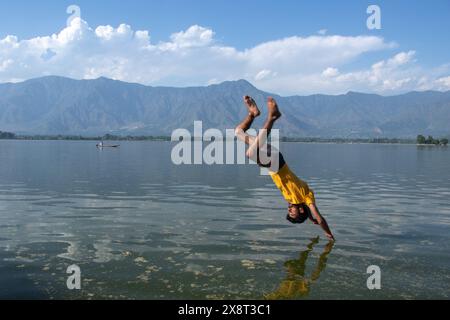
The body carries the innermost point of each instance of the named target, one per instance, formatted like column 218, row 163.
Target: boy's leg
column 242, row 128
column 253, row 113
column 258, row 143
column 261, row 139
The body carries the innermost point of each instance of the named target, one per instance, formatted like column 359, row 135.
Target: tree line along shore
column 420, row 140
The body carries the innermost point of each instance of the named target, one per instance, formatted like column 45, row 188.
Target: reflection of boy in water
column 296, row 285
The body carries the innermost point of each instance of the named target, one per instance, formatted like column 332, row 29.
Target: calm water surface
column 140, row 227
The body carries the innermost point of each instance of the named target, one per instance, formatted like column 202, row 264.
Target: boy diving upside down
column 302, row 204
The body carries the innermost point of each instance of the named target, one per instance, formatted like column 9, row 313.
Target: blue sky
column 420, row 27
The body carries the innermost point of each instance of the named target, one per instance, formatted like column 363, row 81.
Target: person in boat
column 299, row 196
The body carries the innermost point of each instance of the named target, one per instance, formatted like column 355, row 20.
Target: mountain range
column 56, row 105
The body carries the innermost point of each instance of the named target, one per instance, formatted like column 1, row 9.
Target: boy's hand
column 321, row 220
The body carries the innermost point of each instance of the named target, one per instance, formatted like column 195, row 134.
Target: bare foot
column 252, row 106
column 274, row 112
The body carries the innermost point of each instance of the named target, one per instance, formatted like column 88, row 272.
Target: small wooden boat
column 102, row 145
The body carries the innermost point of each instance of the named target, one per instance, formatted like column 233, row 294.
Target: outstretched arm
column 321, row 221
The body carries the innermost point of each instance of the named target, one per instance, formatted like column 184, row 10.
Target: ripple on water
column 158, row 231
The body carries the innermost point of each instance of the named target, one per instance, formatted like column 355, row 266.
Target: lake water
column 140, row 227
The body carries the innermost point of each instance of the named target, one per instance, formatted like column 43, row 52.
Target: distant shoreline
column 111, row 137
column 168, row 139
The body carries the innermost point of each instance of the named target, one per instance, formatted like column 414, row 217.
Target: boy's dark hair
column 301, row 218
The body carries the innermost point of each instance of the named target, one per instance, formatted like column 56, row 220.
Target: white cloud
column 5, row 64
column 195, row 36
column 396, row 74
column 401, row 58
column 443, row 83
column 330, row 72
column 398, row 60
column 322, row 32
column 263, row 74
column 294, row 65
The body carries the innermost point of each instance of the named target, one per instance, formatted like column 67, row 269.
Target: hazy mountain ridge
column 56, row 105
